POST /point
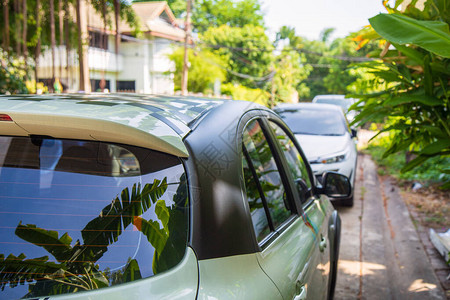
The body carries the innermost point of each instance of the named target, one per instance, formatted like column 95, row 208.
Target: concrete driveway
column 381, row 255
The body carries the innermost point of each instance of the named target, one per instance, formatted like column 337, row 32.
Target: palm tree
column 117, row 17
column 82, row 57
column 6, row 25
column 24, row 31
column 67, row 36
column 37, row 52
column 52, row 36
column 61, row 29
column 17, row 30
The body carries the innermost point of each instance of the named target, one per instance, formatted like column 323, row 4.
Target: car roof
column 330, row 96
column 306, row 105
column 151, row 121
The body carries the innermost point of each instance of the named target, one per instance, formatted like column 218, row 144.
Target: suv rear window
column 82, row 215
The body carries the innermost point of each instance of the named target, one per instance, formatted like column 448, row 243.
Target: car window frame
column 292, row 197
column 312, row 191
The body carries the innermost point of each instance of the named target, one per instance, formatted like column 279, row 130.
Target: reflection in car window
column 263, row 163
column 297, row 166
column 315, row 121
column 257, row 209
column 78, row 215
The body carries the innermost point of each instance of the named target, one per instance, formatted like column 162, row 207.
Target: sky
column 310, row 17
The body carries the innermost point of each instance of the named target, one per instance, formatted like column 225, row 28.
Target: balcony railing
column 98, row 59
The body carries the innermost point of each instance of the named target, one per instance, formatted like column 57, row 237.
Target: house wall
column 143, row 61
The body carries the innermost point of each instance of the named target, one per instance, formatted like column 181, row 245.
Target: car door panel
column 317, row 217
column 291, row 260
column 235, row 277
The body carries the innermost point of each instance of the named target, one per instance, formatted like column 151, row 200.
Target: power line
column 338, row 57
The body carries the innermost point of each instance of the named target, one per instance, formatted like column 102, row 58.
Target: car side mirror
column 336, row 185
column 302, row 188
column 354, row 133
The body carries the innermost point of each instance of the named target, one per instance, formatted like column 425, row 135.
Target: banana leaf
column 433, row 36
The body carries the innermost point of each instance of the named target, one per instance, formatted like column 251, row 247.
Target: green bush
column 435, row 170
column 12, row 74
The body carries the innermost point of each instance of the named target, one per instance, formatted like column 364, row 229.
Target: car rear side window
column 82, row 215
column 264, row 187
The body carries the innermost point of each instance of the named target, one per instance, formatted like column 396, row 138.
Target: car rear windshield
column 82, row 215
column 316, row 122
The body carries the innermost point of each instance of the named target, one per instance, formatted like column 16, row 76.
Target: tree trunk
column 67, row 38
column 24, row 31
column 52, row 38
column 117, row 41
column 38, row 45
column 17, row 30
column 104, row 38
column 82, row 56
column 117, row 17
column 6, row 25
column 187, row 28
column 61, row 34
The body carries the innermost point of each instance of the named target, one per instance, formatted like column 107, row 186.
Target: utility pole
column 187, row 28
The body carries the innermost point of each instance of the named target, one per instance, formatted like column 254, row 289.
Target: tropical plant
column 413, row 66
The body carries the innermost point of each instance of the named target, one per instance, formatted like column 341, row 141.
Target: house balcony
column 98, row 59
column 103, row 60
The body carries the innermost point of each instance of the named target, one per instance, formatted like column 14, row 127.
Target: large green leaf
column 15, row 270
column 436, row 147
column 59, row 247
column 433, row 36
column 117, row 216
column 414, row 163
column 409, row 98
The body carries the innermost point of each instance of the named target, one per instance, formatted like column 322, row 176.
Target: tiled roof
column 155, row 17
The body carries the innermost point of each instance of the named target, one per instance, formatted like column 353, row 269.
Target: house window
column 127, row 86
column 98, row 40
column 96, row 85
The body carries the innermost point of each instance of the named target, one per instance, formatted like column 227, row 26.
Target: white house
column 141, row 64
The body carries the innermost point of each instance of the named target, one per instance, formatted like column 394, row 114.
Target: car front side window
column 263, row 182
column 297, row 166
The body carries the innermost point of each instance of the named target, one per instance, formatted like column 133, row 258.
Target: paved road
column 381, row 255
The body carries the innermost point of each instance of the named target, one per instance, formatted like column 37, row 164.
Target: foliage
column 324, row 62
column 13, row 74
column 205, row 68
column 239, row 92
column 246, row 51
column 433, row 171
column 215, row 13
column 415, row 99
column 290, row 71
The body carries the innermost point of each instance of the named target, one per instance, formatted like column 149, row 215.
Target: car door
column 288, row 238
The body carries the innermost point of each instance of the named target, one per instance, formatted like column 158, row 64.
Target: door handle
column 322, row 244
column 301, row 294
